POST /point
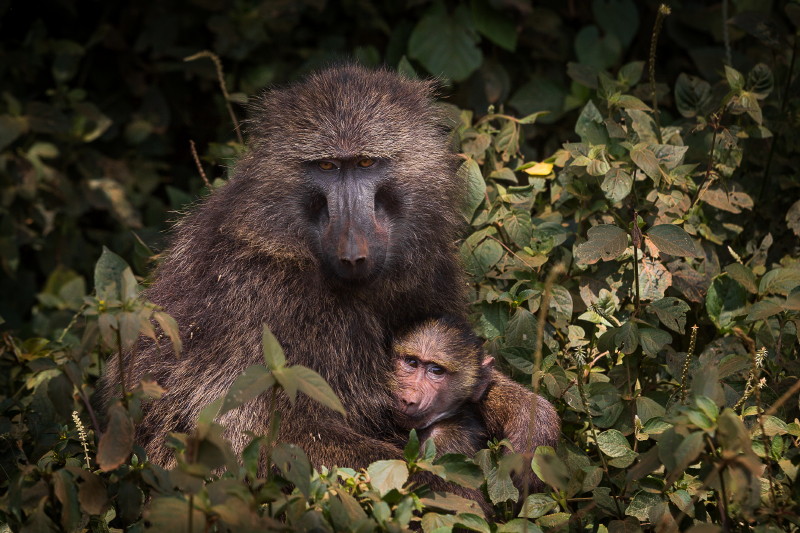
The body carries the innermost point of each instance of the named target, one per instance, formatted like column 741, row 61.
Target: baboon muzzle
column 355, row 238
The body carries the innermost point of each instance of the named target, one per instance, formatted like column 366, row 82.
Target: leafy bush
column 633, row 254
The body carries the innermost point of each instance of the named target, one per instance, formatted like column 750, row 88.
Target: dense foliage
column 633, row 255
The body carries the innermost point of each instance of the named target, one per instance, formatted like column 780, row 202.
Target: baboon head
column 363, row 159
column 439, row 366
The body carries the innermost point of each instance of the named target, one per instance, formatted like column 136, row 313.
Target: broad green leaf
column 645, row 159
column 692, row 95
column 460, row 470
column 617, row 184
column 521, row 329
column 168, row 513
column 735, row 78
column 673, row 240
column 762, row 310
column 446, row 44
column 760, row 81
column 480, row 259
column 780, row 281
column 117, row 201
column 108, row 276
column 65, row 489
column 387, row 475
column 654, row 279
column 671, row 312
column 605, row 241
column 617, row 17
column 293, row 463
column 494, row 25
column 653, row 340
column 116, row 443
column 541, row 94
column 170, row 327
column 250, row 383
column 725, row 302
column 743, row 275
column 471, row 522
column 688, row 451
column 590, row 126
column 592, row 49
column 470, row 173
column 10, row 129
column 273, row 353
column 642, row 504
column 537, row 505
column 613, row 443
column 404, row 68
column 518, row 227
column 312, row 384
column 648, row 409
column 411, row 451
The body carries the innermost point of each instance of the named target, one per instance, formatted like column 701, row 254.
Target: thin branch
column 199, row 166
column 221, row 77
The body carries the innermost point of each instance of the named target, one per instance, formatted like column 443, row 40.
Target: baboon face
column 351, row 169
column 352, row 211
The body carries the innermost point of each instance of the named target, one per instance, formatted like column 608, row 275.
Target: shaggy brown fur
column 249, row 256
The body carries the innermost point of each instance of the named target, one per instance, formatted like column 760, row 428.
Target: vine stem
column 663, row 11
column 221, row 78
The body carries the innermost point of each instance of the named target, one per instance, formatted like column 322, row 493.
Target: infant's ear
column 484, row 379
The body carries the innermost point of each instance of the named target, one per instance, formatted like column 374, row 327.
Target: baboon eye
column 436, row 370
column 412, row 362
column 326, row 165
column 366, row 162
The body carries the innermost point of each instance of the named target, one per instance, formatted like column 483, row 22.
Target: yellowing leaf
column 540, row 169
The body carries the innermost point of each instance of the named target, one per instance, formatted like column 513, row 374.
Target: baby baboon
column 440, row 376
column 337, row 230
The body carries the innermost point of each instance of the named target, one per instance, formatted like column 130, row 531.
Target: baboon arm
column 506, row 411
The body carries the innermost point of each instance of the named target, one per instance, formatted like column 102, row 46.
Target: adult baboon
column 337, row 230
column 440, row 377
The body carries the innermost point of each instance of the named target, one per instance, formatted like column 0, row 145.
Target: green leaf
column 605, row 241
column 725, row 302
column 521, row 329
column 590, row 126
column 537, row 505
column 293, row 463
column 273, row 353
column 494, row 25
column 446, row 45
column 692, row 95
column 460, row 470
column 405, row 69
column 250, row 383
column 591, row 49
column 735, row 78
column 673, row 240
column 312, row 384
column 411, row 451
column 541, row 94
column 170, row 327
column 617, row 17
column 653, row 340
column 388, row 475
column 688, row 451
column 613, row 443
column 108, row 276
column 671, row 312
column 780, row 281
column 10, row 129
column 762, row 310
column 645, row 159
column 617, row 184
column 470, row 173
column 168, row 513
column 642, row 504
column 743, row 275
column 480, row 259
column 117, row 441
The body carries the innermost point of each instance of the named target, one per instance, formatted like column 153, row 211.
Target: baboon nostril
column 353, row 262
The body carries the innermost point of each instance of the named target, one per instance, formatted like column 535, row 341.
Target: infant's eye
column 436, row 370
column 366, row 162
column 326, row 165
column 412, row 362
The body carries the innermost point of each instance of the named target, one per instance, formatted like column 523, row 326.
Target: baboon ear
column 484, row 379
